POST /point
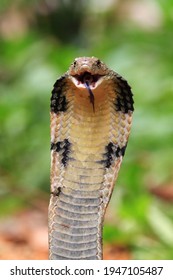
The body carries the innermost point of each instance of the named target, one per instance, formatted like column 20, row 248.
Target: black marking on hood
column 63, row 148
column 58, row 98
column 112, row 151
column 124, row 100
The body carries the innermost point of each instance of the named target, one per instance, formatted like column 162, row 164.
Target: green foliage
column 30, row 64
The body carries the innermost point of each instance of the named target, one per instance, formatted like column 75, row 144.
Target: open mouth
column 88, row 78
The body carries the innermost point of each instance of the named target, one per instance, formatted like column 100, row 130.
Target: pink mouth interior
column 88, row 78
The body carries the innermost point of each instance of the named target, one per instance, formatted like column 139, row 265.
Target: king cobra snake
column 91, row 116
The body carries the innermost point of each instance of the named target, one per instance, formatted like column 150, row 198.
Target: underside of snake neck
column 91, row 114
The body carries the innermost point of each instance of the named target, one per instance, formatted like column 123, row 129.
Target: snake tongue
column 91, row 95
column 87, row 80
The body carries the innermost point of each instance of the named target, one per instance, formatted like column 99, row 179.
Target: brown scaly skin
column 91, row 115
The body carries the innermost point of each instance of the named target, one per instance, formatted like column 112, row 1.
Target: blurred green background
column 38, row 41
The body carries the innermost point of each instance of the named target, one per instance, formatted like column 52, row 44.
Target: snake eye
column 98, row 63
column 74, row 63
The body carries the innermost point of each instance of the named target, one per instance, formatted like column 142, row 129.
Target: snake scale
column 91, row 116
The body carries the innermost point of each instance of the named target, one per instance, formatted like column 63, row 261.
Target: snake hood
column 91, row 116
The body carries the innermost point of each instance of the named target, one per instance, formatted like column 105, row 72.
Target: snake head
column 87, row 73
column 87, row 70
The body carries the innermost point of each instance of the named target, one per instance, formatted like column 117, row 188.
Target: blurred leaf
column 161, row 225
